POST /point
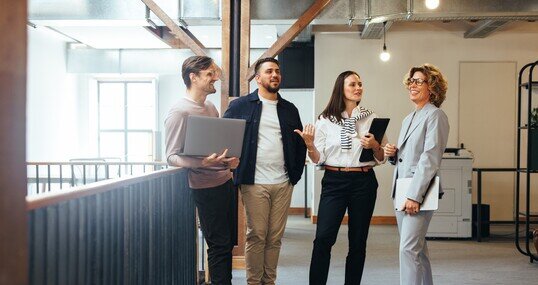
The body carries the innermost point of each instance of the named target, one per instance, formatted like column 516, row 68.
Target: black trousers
column 356, row 192
column 216, row 211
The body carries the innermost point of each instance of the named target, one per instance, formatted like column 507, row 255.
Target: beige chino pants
column 266, row 208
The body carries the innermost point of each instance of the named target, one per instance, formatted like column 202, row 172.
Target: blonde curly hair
column 437, row 84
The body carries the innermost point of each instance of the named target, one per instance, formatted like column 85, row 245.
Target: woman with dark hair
column 422, row 141
column 337, row 141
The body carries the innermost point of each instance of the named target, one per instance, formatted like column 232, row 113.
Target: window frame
column 126, row 130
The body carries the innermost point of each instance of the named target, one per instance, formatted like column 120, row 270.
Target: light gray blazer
column 420, row 150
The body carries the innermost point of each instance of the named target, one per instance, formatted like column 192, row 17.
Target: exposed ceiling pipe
column 484, row 28
column 150, row 22
column 368, row 9
column 351, row 12
column 410, row 6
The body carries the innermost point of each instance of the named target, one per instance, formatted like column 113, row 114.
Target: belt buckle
column 346, row 169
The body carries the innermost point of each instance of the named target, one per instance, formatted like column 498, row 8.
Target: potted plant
column 533, row 133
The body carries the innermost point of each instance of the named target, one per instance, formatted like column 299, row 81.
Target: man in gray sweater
column 210, row 179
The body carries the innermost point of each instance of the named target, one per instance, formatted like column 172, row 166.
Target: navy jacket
column 249, row 108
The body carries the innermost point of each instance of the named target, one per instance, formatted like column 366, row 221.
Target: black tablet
column 377, row 128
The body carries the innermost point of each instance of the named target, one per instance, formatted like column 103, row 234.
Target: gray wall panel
column 93, row 61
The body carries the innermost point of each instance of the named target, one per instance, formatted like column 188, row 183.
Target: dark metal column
column 235, row 46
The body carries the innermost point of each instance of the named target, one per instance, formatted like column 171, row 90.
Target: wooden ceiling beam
column 292, row 32
column 166, row 36
column 184, row 36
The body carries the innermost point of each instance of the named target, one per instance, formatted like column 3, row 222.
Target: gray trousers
column 415, row 268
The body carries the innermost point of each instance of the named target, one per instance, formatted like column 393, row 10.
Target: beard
column 270, row 88
column 273, row 90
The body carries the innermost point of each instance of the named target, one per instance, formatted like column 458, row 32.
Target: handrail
column 51, row 198
column 95, row 163
column 49, row 176
column 479, row 171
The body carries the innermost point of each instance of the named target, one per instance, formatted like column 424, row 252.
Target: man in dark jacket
column 272, row 161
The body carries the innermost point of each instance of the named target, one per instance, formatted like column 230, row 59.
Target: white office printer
column 453, row 219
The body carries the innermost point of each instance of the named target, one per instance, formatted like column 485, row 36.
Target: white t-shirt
column 270, row 168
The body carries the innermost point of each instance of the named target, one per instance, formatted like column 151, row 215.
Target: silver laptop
column 208, row 135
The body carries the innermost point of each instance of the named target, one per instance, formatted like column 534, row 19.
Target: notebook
column 431, row 201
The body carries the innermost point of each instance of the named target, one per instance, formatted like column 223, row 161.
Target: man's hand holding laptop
column 219, row 160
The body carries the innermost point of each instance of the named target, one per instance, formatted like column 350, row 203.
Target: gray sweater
column 175, row 128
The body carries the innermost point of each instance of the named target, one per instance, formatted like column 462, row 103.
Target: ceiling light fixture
column 384, row 55
column 431, row 4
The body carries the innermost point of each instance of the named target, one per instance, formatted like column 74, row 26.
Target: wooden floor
column 495, row 261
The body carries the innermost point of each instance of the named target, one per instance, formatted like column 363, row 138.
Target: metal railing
column 62, row 179
column 130, row 230
column 54, row 176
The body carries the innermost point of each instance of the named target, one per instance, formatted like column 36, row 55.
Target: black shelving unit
column 525, row 91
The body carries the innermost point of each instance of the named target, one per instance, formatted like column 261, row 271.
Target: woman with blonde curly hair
column 422, row 141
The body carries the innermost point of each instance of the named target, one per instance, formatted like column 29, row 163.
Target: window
column 126, row 119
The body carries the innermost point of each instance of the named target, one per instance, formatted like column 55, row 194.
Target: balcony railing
column 128, row 230
column 54, row 176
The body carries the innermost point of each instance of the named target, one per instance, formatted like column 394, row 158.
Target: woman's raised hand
column 307, row 134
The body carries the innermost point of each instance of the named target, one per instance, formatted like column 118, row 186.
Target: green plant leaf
column 534, row 118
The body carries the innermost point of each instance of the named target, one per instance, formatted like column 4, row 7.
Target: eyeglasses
column 417, row 81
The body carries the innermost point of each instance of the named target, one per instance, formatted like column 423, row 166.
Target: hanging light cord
column 384, row 45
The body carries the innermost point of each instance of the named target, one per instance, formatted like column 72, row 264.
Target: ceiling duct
column 374, row 30
column 94, row 12
column 199, row 9
column 415, row 10
column 264, row 11
column 477, row 10
column 338, row 14
column 376, row 12
column 484, row 28
column 282, row 12
column 121, row 12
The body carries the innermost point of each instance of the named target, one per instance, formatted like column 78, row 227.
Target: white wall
column 411, row 44
column 52, row 103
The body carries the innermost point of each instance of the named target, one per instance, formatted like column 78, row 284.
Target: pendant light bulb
column 431, row 4
column 384, row 55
